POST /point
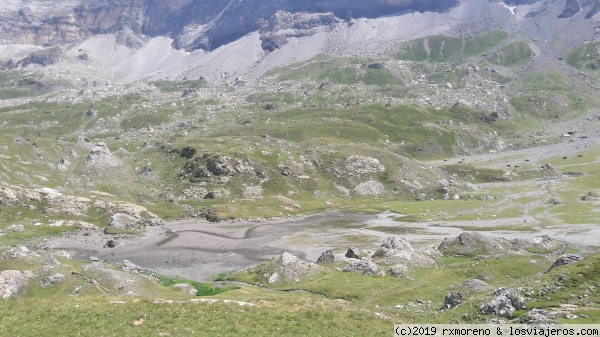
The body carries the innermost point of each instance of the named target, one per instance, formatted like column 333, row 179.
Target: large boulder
column 472, row 244
column 364, row 267
column 12, row 283
column 396, row 250
column 352, row 253
column 288, row 268
column 100, row 158
column 326, row 257
column 505, row 302
column 565, row 259
column 474, row 284
column 451, row 300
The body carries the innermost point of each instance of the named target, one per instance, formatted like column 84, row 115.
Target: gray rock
column 396, row 243
column 131, row 267
column 477, row 285
column 51, row 262
column 364, row 267
column 370, row 188
column 100, row 158
column 186, row 288
column 474, row 244
column 565, row 259
column 452, row 300
column 326, row 257
column 16, row 228
column 352, row 253
column 289, row 268
column 398, row 270
column 52, row 280
column 124, row 221
column 12, row 282
column 538, row 316
column 504, row 304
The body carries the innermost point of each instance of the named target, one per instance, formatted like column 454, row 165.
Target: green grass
column 202, row 289
column 449, row 49
column 513, row 54
column 585, row 57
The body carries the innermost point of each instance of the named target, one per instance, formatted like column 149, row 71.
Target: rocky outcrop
column 101, row 159
column 352, row 253
column 451, row 300
column 364, row 267
column 370, row 188
column 474, row 284
column 396, row 250
column 13, row 282
column 505, row 302
column 471, row 244
column 289, row 268
column 326, row 257
column 565, row 259
column 193, row 24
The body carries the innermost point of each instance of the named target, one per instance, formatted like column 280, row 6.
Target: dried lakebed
column 198, row 249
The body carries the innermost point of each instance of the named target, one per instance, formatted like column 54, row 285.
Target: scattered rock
column 364, row 267
column 352, row 253
column 110, row 244
column 326, row 257
column 565, row 259
column 547, row 167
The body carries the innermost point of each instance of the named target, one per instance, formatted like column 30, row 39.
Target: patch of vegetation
column 202, row 289
column 449, row 49
column 179, row 86
column 513, row 54
column 586, row 56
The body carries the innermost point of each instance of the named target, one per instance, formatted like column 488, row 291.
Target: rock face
column 193, row 24
column 12, row 282
column 565, row 259
column 504, row 304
